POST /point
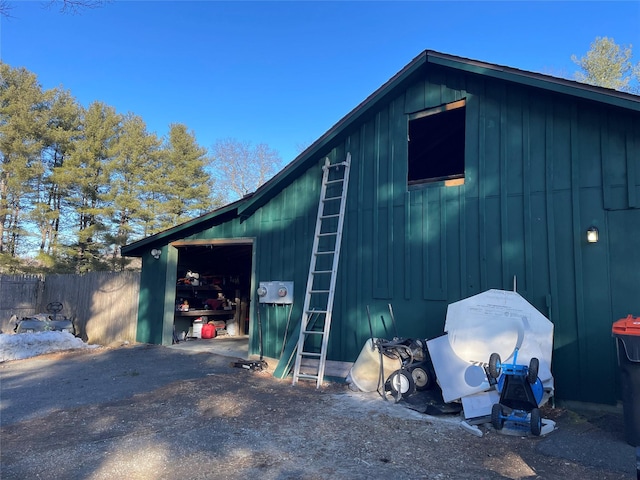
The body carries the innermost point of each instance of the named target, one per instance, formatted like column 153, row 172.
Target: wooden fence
column 19, row 295
column 103, row 305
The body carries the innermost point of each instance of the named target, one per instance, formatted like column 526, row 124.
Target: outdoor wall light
column 155, row 253
column 592, row 235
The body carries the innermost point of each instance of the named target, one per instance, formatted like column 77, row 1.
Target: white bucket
column 197, row 330
column 365, row 372
column 232, row 327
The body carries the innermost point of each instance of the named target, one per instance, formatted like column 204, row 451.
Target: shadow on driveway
column 100, row 375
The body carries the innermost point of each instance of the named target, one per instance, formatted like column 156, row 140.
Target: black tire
column 494, row 368
column 401, row 383
column 421, row 378
column 532, row 374
column 496, row 416
column 536, row 422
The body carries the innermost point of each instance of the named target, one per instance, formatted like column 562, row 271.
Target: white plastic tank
column 197, row 330
column 365, row 372
column 232, row 327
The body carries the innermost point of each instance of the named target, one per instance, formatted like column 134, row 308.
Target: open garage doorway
column 213, row 288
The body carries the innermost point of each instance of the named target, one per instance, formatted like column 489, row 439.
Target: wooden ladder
column 321, row 283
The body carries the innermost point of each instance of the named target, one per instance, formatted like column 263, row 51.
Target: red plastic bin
column 627, row 334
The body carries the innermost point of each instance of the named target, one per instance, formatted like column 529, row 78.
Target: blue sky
column 283, row 73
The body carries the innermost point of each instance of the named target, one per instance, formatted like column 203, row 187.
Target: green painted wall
column 157, row 292
column 540, row 169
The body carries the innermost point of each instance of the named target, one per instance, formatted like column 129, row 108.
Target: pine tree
column 84, row 179
column 182, row 184
column 63, row 129
column 22, row 122
column 608, row 65
column 133, row 169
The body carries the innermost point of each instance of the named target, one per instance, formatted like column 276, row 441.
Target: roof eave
column 135, row 249
column 538, row 80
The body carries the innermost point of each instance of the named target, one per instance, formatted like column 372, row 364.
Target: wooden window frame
column 438, row 151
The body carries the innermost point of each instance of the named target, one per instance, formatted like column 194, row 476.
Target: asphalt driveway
column 157, row 412
column 34, row 387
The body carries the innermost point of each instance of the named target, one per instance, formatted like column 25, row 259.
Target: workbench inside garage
column 184, row 320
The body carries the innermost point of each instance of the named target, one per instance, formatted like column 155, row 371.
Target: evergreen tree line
column 78, row 183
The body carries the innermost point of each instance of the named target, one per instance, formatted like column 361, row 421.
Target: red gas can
column 208, row 331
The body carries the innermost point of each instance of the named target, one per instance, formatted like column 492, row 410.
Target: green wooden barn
column 464, row 176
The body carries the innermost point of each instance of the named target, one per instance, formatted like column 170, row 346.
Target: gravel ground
column 150, row 412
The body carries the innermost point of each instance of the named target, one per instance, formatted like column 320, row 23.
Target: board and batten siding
column 540, row 168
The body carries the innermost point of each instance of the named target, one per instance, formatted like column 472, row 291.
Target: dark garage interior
column 213, row 286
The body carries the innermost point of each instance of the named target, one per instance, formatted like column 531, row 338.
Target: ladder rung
column 331, row 199
column 322, row 272
column 328, row 252
column 324, row 217
column 327, row 234
column 307, row 375
column 317, row 311
column 337, row 180
column 319, row 291
column 313, row 332
column 311, row 354
column 339, row 164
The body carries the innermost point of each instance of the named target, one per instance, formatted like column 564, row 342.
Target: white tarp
column 493, row 321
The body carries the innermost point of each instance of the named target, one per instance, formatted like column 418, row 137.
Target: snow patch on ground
column 25, row 345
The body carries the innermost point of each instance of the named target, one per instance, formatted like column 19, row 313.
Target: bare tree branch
column 66, row 6
column 5, row 8
column 74, row 6
column 242, row 167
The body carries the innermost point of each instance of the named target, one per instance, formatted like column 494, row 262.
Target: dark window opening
column 436, row 144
